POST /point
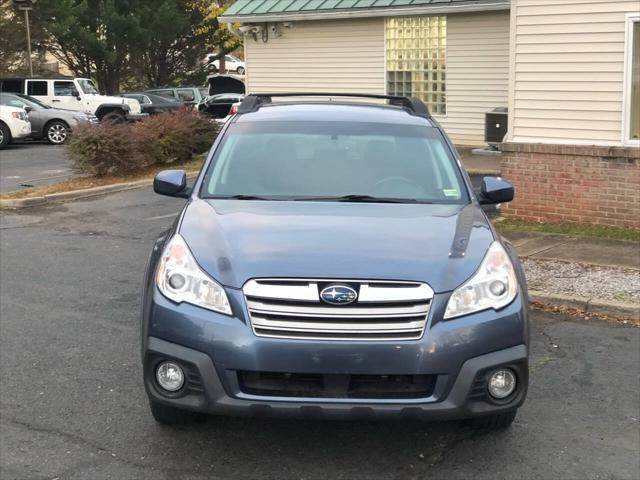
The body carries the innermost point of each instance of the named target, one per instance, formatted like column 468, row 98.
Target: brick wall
column 573, row 184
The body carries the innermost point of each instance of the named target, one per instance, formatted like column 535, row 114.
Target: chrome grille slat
column 384, row 310
column 319, row 310
column 335, row 326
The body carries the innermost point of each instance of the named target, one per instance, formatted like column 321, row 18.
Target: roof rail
column 415, row 106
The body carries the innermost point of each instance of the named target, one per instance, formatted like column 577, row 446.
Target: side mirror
column 76, row 94
column 495, row 190
column 28, row 109
column 172, row 183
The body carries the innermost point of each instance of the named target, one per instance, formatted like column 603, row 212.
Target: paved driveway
column 72, row 405
column 32, row 163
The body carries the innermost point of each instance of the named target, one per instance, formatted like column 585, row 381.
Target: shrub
column 104, row 149
column 124, row 149
column 174, row 137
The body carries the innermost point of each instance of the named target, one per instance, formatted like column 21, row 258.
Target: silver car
column 51, row 124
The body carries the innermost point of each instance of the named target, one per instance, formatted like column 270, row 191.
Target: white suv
column 14, row 123
column 231, row 64
column 78, row 94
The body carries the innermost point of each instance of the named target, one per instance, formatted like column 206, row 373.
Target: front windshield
column 88, row 87
column 329, row 160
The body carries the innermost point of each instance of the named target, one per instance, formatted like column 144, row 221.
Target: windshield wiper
column 239, row 197
column 360, row 199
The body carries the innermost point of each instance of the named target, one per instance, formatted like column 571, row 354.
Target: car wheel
column 167, row 415
column 57, row 132
column 240, row 71
column 5, row 135
column 114, row 117
column 500, row 421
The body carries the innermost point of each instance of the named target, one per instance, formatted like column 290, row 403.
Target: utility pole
column 27, row 5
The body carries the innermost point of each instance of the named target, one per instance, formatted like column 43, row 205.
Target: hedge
column 121, row 149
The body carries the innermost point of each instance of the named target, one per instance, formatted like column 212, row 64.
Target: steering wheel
column 415, row 188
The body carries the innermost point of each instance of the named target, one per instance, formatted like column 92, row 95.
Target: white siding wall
column 568, row 70
column 335, row 56
column 349, row 56
column 477, row 72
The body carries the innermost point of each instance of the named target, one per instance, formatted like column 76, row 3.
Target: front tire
column 167, row 415
column 501, row 421
column 57, row 132
column 5, row 136
column 114, row 117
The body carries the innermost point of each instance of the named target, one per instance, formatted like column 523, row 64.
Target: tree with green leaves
column 13, row 42
column 177, row 37
column 137, row 43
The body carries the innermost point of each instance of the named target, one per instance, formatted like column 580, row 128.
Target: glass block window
column 417, row 60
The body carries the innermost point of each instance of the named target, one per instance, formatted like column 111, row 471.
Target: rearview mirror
column 495, row 190
column 172, row 183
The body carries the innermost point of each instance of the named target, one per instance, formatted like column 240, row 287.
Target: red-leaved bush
column 124, row 149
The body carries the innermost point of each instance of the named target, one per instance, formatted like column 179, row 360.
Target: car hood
column 234, row 241
column 62, row 112
column 108, row 99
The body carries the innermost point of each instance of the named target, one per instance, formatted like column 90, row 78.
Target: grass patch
column 616, row 233
column 88, row 182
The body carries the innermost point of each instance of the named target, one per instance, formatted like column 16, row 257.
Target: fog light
column 170, row 376
column 502, row 383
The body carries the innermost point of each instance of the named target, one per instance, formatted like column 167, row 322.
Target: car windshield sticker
column 451, row 192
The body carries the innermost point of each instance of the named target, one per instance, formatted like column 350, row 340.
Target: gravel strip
column 587, row 281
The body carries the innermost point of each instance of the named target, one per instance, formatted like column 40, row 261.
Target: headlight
column 494, row 285
column 180, row 279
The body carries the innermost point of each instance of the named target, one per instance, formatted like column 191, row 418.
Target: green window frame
column 416, row 59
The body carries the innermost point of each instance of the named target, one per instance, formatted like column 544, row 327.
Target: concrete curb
column 594, row 306
column 26, row 202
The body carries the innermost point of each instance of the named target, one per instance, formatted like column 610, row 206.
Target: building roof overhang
column 268, row 11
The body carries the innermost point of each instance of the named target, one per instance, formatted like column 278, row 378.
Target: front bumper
column 209, row 394
column 214, row 348
column 20, row 129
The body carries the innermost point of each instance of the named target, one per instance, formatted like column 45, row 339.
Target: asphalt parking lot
column 33, row 164
column 72, row 405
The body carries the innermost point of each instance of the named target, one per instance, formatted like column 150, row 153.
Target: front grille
column 293, row 309
column 308, row 385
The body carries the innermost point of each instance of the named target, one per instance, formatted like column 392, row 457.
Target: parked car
column 231, row 64
column 51, row 124
column 153, row 104
column 188, row 95
column 333, row 260
column 79, row 94
column 225, row 93
column 14, row 124
column 220, row 106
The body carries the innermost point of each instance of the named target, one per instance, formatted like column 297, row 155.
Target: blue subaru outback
column 333, row 261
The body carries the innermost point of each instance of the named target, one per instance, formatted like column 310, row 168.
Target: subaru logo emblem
column 338, row 295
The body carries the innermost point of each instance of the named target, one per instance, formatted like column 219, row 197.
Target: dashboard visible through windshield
column 345, row 161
